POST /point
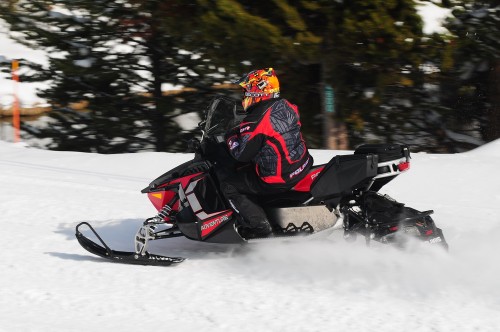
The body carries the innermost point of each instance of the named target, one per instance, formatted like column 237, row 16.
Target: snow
column 433, row 16
column 50, row 283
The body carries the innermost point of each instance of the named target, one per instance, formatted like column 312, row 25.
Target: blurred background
column 119, row 76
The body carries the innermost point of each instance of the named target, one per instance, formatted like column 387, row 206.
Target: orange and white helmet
column 259, row 85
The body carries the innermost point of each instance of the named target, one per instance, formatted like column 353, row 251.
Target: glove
column 233, row 143
column 194, row 145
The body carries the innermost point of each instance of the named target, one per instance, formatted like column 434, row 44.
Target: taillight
column 404, row 166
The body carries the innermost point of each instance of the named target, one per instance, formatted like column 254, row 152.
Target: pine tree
column 114, row 55
column 246, row 35
column 389, row 79
column 374, row 64
column 472, row 79
column 373, row 54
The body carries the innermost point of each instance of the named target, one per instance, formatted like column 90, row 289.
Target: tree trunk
column 157, row 115
column 493, row 129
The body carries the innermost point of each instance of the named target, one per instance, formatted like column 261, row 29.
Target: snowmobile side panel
column 304, row 185
column 204, row 211
column 217, row 229
column 207, row 195
column 227, row 233
column 188, row 168
column 188, row 225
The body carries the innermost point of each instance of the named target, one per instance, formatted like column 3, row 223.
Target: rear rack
column 392, row 168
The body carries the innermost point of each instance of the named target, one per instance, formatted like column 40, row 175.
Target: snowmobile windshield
column 222, row 114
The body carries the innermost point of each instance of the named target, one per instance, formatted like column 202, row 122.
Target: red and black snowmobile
column 342, row 194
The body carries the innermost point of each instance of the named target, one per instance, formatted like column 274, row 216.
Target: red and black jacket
column 269, row 137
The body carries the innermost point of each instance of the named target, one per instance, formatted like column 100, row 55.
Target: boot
column 263, row 230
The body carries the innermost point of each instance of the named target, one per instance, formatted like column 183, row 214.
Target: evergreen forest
column 360, row 71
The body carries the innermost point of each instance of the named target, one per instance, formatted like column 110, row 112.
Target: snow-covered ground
column 49, row 283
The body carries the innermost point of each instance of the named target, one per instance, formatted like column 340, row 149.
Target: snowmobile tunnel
column 342, row 175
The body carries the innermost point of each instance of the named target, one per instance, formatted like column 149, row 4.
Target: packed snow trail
column 50, row 283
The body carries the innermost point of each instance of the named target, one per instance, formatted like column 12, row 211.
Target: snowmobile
column 342, row 194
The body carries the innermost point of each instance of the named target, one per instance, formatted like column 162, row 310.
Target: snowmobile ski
column 125, row 257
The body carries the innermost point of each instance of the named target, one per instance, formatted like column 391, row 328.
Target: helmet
column 259, row 85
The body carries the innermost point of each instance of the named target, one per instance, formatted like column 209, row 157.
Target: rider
column 269, row 139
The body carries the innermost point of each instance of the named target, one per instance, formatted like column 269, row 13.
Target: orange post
column 16, row 118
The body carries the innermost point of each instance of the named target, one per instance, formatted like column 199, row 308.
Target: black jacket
column 269, row 137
